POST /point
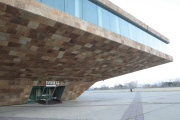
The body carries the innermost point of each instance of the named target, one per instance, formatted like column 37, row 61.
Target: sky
column 164, row 17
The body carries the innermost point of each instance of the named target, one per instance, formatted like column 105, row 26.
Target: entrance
column 45, row 93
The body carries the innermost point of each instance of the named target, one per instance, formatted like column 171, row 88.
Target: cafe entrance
column 51, row 92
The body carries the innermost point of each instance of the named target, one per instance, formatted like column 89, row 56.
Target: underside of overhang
column 30, row 50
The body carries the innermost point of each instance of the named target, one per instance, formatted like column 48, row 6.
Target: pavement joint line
column 157, row 109
column 160, row 95
column 162, row 103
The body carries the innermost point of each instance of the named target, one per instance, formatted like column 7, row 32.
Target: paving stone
column 98, row 106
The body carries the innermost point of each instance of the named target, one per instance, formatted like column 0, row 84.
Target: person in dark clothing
column 131, row 89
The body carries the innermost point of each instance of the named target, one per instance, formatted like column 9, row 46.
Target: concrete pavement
column 102, row 106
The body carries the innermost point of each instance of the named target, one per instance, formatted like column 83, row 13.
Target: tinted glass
column 160, row 46
column 164, row 48
column 114, row 23
column 154, row 43
column 70, row 7
column 144, row 34
column 89, row 11
column 150, row 41
column 132, row 31
column 139, row 36
column 103, row 19
column 124, row 28
column 58, row 4
column 78, row 8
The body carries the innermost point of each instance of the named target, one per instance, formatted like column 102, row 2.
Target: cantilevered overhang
column 38, row 42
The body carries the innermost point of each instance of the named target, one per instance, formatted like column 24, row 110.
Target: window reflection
column 139, row 36
column 58, row 4
column 103, row 18
column 70, row 7
column 114, row 23
column 78, row 8
column 124, row 28
column 90, row 12
column 133, row 32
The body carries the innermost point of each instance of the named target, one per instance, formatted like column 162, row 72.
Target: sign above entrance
column 52, row 83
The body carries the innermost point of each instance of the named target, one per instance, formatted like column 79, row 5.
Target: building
column 59, row 48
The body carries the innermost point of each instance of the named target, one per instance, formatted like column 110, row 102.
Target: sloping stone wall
column 18, row 91
column 14, row 92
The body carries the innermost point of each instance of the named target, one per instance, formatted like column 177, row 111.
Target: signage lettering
column 52, row 83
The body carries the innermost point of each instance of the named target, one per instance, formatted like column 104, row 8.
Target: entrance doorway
column 58, row 92
column 45, row 93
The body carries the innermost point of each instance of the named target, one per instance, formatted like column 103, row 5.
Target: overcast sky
column 164, row 17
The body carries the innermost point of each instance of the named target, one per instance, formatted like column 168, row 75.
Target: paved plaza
column 102, row 106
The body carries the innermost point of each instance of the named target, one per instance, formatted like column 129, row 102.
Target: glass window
column 139, row 36
column 132, row 32
column 164, row 47
column 145, row 38
column 74, row 7
column 70, row 7
column 78, row 8
column 114, row 23
column 58, row 4
column 103, row 18
column 99, row 10
column 167, row 49
column 124, row 28
column 90, row 12
column 150, row 41
column 155, row 43
column 160, row 46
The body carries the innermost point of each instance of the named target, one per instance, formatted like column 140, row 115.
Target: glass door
column 36, row 93
column 47, row 93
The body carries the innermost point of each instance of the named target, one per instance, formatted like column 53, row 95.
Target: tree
column 118, row 86
column 104, row 87
column 146, row 86
column 154, row 86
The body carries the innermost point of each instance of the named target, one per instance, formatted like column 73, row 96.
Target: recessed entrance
column 45, row 93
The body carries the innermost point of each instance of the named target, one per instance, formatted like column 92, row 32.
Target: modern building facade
column 59, row 48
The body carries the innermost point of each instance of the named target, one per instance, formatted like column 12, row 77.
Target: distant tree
column 176, row 83
column 170, row 83
column 154, row 86
column 126, row 86
column 104, row 87
column 118, row 86
column 96, row 88
column 146, row 86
